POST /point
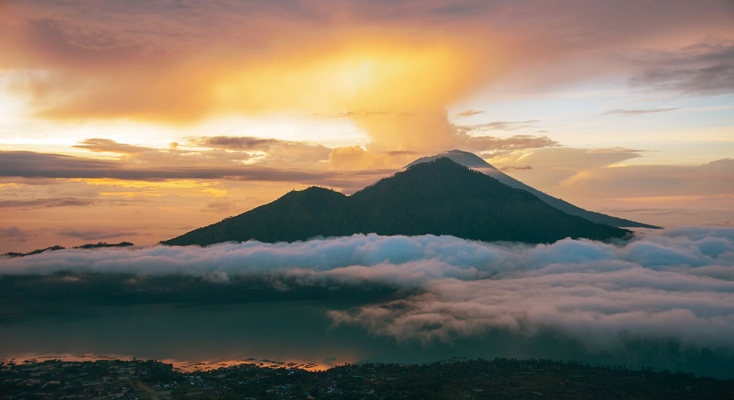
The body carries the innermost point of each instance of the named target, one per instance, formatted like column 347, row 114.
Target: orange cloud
column 164, row 65
column 395, row 88
column 355, row 158
column 390, row 68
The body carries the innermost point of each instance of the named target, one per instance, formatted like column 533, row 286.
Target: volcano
column 475, row 162
column 432, row 196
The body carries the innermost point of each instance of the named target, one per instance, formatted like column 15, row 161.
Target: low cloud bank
column 675, row 284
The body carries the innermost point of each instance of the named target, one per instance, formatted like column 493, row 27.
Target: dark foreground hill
column 439, row 197
column 473, row 161
column 500, row 378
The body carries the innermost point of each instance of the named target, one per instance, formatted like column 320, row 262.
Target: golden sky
column 138, row 120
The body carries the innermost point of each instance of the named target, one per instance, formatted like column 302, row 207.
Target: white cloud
column 673, row 284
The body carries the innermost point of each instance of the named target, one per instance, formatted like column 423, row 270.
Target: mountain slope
column 473, row 161
column 439, row 197
column 299, row 215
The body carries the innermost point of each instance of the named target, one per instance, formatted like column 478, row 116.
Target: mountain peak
column 438, row 197
column 315, row 189
column 438, row 162
column 461, row 157
column 473, row 161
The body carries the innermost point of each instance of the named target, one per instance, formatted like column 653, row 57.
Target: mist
column 676, row 284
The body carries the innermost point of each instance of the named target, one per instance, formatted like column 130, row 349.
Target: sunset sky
column 140, row 120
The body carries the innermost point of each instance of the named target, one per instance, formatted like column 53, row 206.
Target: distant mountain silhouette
column 473, row 161
column 57, row 247
column 439, row 197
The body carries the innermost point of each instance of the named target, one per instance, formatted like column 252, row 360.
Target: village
column 452, row 379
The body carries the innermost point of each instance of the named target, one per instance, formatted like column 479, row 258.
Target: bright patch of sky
column 670, row 128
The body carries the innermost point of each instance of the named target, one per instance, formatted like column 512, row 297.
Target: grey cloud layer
column 26, row 164
column 93, row 234
column 672, row 285
column 701, row 69
column 632, row 113
column 46, row 202
column 286, row 161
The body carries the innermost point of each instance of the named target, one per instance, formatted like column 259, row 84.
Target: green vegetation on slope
column 439, row 197
column 473, row 161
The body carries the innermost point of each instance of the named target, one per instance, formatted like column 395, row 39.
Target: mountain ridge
column 440, row 197
column 473, row 161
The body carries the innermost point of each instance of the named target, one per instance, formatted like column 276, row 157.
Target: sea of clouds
column 673, row 284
